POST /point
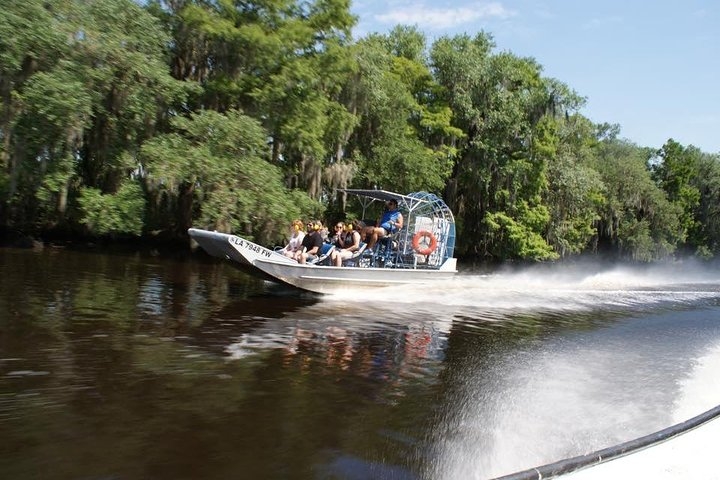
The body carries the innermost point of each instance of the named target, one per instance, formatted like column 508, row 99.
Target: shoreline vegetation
column 125, row 122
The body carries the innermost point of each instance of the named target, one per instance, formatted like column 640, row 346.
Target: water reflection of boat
column 421, row 252
column 340, row 336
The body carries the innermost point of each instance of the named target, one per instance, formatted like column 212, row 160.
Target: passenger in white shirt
column 296, row 237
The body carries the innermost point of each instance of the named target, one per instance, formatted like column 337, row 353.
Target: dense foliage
column 127, row 118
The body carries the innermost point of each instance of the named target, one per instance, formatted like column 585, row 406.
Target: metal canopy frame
column 368, row 197
column 418, row 206
column 409, row 202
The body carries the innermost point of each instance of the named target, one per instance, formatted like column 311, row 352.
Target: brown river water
column 132, row 366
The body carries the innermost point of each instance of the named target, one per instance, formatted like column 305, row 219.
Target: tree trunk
column 184, row 207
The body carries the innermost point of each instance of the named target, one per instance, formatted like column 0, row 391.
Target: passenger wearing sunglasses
column 347, row 244
column 311, row 244
column 335, row 238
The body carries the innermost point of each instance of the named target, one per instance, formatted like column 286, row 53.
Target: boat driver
column 390, row 222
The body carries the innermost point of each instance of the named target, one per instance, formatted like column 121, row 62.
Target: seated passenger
column 348, row 243
column 296, row 237
column 390, row 222
column 339, row 233
column 311, row 243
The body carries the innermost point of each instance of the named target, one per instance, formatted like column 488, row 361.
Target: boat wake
column 547, row 290
column 688, row 456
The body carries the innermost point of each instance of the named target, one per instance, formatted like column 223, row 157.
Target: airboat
column 419, row 253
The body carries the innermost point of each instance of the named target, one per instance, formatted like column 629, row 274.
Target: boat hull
column 313, row 278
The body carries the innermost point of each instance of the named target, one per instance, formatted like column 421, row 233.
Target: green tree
column 637, row 220
column 706, row 235
column 212, row 173
column 501, row 174
column 84, row 88
column 113, row 214
column 282, row 62
column 32, row 39
column 405, row 137
column 576, row 192
column 124, row 63
column 674, row 170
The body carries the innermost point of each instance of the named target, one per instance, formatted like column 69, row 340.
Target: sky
column 650, row 66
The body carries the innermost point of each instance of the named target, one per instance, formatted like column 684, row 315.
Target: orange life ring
column 419, row 245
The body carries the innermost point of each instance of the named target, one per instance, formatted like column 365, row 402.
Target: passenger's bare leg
column 373, row 240
column 377, row 233
column 366, row 235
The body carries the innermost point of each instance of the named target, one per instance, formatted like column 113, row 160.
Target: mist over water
column 548, row 289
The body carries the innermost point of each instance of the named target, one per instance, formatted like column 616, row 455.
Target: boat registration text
column 240, row 243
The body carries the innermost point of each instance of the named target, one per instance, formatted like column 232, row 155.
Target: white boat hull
column 313, row 278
